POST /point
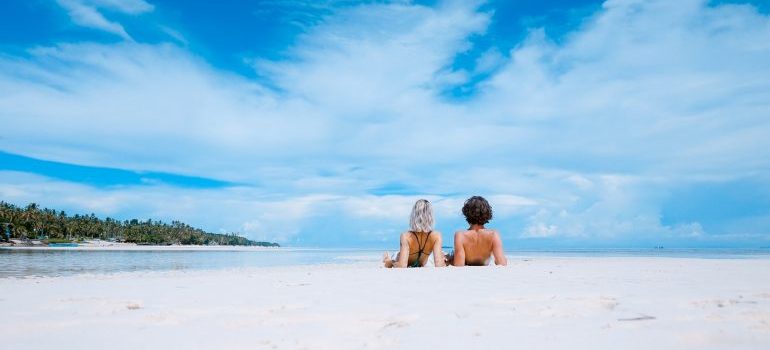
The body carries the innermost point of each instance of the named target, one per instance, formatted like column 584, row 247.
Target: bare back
column 420, row 246
column 416, row 248
column 475, row 247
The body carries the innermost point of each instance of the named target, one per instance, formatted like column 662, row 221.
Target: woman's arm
column 438, row 255
column 403, row 254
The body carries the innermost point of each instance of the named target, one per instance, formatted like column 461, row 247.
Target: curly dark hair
column 477, row 210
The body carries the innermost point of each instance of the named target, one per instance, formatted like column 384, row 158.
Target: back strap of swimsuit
column 421, row 245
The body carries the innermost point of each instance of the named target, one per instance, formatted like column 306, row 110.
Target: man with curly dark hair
column 474, row 246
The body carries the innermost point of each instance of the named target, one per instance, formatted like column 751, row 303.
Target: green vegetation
column 58, row 227
column 58, row 240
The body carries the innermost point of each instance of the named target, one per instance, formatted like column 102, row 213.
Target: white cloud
column 88, row 13
column 668, row 87
column 88, row 16
column 540, row 230
column 377, row 59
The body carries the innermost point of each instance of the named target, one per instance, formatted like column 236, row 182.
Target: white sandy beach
column 537, row 303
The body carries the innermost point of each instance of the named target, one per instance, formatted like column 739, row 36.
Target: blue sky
column 622, row 123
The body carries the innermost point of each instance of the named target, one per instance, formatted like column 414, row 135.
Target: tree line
column 32, row 222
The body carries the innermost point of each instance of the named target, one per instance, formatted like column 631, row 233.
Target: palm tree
column 29, row 219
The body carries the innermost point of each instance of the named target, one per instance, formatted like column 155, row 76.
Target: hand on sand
column 386, row 260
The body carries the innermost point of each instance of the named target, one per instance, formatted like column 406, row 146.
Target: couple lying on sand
column 472, row 247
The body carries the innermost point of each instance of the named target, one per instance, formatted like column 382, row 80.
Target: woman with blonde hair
column 419, row 242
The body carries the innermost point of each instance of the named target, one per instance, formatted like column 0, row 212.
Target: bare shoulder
column 495, row 236
column 494, row 232
column 405, row 235
column 435, row 237
column 460, row 235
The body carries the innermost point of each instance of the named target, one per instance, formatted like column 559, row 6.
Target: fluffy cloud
column 578, row 138
column 661, row 87
column 88, row 13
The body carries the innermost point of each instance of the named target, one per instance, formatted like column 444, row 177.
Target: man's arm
column 459, row 250
column 438, row 255
column 403, row 253
column 497, row 250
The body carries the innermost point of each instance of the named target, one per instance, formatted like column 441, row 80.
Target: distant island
column 51, row 227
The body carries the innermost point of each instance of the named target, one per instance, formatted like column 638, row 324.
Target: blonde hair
column 421, row 219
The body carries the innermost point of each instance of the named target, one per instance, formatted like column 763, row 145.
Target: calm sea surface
column 62, row 262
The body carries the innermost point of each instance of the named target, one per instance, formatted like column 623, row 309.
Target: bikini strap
column 420, row 245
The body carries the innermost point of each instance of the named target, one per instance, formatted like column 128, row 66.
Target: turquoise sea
column 63, row 262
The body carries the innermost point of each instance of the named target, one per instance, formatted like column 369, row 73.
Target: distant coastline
column 89, row 246
column 32, row 226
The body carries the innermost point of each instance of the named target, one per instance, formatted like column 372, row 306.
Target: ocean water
column 64, row 262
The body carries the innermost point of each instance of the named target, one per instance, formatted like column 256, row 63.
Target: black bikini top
column 421, row 247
